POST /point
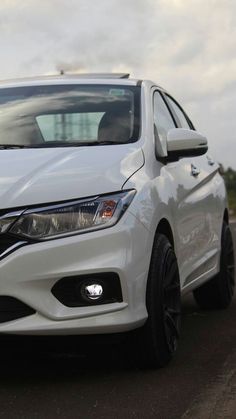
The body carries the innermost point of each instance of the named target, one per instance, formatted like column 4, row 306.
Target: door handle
column 210, row 161
column 194, row 170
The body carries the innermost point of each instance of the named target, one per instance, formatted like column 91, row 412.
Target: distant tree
column 229, row 176
column 230, row 179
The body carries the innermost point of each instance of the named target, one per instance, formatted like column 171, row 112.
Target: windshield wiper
column 10, row 146
column 48, row 144
column 73, row 143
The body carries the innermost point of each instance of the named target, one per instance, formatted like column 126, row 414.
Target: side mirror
column 185, row 143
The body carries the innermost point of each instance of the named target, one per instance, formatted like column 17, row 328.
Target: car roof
column 90, row 78
column 68, row 78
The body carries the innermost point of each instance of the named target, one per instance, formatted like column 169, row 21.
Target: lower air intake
column 12, row 309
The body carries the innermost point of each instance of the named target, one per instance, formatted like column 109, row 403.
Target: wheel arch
column 164, row 227
column 226, row 216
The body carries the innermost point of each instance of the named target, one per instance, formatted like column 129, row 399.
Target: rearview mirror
column 185, row 143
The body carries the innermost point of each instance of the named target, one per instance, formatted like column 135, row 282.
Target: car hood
column 36, row 176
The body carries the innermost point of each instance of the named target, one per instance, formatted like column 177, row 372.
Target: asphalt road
column 69, row 378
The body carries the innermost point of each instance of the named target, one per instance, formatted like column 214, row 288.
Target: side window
column 183, row 122
column 162, row 120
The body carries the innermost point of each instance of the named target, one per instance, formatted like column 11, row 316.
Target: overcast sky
column 187, row 46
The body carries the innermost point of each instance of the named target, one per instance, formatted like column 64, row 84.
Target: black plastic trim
column 166, row 96
column 177, row 155
column 67, row 289
column 12, row 309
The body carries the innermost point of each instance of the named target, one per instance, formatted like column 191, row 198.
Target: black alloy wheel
column 218, row 292
column 158, row 338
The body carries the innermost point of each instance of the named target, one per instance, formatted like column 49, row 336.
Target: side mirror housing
column 185, row 143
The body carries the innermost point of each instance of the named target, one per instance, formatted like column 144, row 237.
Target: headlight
column 69, row 218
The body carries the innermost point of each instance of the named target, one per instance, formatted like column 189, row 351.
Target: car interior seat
column 115, row 127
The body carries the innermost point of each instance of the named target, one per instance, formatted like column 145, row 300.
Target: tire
column 218, row 292
column 157, row 339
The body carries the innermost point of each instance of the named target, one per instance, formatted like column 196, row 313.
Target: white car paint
column 193, row 206
column 43, row 175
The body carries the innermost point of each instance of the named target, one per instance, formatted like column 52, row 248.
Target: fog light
column 92, row 292
column 87, row 290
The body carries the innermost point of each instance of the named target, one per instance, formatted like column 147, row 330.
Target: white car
column 110, row 210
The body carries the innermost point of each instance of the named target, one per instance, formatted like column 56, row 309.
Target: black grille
column 12, row 309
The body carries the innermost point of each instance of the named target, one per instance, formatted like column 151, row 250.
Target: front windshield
column 69, row 115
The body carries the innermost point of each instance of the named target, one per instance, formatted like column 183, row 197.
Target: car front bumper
column 29, row 273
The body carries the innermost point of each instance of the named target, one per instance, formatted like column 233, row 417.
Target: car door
column 205, row 170
column 192, row 198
